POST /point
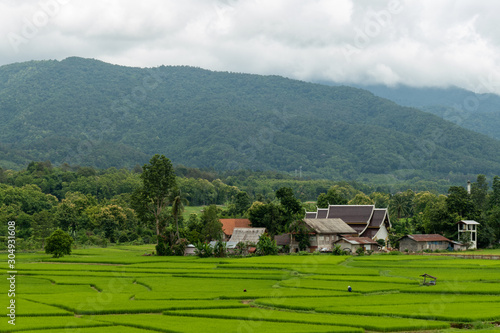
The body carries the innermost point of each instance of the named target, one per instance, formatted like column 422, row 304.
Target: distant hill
column 477, row 112
column 87, row 112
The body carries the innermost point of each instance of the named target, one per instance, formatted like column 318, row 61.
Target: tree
column 459, row 202
column 332, row 197
column 479, row 192
column 178, row 201
column 495, row 196
column 400, row 204
column 266, row 245
column 291, row 207
column 43, row 225
column 242, row 202
column 267, row 216
column 361, row 199
column 212, row 227
column 58, row 244
column 158, row 179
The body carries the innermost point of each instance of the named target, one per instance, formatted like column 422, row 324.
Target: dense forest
column 96, row 206
column 86, row 112
column 479, row 112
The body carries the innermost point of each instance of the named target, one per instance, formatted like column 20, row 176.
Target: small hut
column 431, row 280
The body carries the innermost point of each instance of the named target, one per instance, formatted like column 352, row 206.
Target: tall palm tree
column 178, row 200
column 399, row 205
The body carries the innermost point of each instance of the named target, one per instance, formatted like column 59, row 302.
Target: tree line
column 97, row 207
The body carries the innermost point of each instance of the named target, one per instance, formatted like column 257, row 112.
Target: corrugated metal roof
column 428, row 238
column 359, row 240
column 247, row 235
column 469, row 222
column 329, row 226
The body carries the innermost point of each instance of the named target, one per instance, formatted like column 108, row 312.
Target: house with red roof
column 228, row 226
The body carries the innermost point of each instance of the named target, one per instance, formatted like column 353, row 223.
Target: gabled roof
column 357, row 240
column 329, row 226
column 247, row 235
column 322, row 213
column 378, row 217
column 366, row 220
column 351, row 213
column 468, row 222
column 428, row 238
column 311, row 215
column 228, row 225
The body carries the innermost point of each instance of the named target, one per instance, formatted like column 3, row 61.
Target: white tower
column 470, row 227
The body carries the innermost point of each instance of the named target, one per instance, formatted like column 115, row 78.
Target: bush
column 220, row 249
column 337, row 250
column 179, row 248
column 266, row 246
column 58, row 244
column 123, row 238
column 163, row 247
column 360, row 251
column 203, row 250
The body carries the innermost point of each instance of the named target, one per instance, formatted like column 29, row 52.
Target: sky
column 421, row 43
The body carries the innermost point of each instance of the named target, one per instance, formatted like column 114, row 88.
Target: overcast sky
column 419, row 43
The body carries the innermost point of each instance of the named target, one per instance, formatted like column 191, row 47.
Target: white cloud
column 420, row 43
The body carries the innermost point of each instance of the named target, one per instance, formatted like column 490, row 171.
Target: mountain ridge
column 87, row 112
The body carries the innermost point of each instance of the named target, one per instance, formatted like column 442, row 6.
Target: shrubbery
column 58, row 244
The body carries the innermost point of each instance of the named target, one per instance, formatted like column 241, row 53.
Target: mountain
column 87, row 112
column 477, row 112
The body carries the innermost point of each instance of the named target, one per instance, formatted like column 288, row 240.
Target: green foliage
column 360, row 251
column 332, row 197
column 212, row 227
column 203, row 250
column 58, row 244
column 337, row 250
column 268, row 216
column 92, row 124
column 158, row 180
column 220, row 249
column 266, row 246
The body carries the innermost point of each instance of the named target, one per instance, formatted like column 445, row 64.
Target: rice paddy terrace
column 119, row 290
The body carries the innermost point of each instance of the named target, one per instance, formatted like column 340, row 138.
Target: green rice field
column 119, row 289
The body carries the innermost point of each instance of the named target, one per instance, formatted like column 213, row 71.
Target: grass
column 174, row 323
column 123, row 291
column 380, row 324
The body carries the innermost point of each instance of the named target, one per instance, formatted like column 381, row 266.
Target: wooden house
column 352, row 244
column 228, row 226
column 416, row 243
column 322, row 233
column 366, row 220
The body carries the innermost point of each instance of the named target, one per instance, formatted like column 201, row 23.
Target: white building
column 469, row 227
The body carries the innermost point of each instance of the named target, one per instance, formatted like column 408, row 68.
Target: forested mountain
column 477, row 112
column 87, row 112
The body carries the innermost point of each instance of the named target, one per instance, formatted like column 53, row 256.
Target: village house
column 366, row 220
column 228, row 226
column 248, row 236
column 416, row 243
column 352, row 244
column 322, row 234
